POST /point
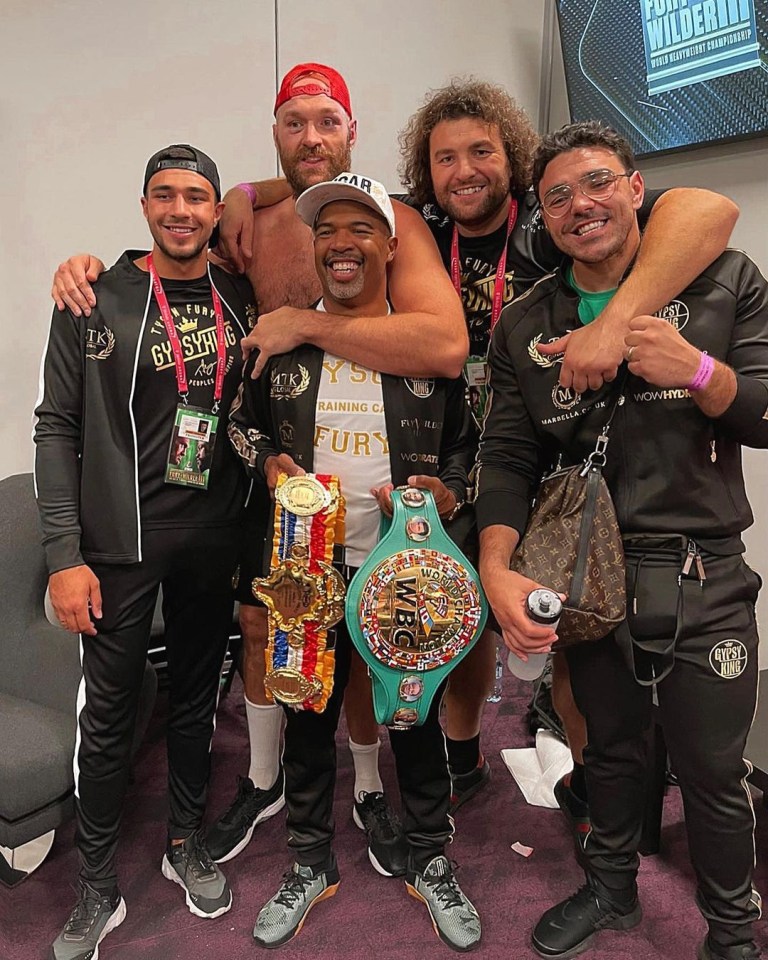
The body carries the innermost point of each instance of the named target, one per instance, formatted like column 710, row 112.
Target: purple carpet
column 371, row 916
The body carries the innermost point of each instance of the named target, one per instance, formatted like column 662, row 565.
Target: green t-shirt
column 590, row 304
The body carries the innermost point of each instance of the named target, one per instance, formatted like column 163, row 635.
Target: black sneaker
column 744, row 951
column 189, row 864
column 95, row 915
column 387, row 846
column 232, row 832
column 465, row 785
column 282, row 917
column 453, row 915
column 576, row 813
column 567, row 929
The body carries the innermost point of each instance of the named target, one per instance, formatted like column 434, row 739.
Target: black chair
column 39, row 682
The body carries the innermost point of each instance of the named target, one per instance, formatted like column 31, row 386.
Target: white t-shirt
column 351, row 443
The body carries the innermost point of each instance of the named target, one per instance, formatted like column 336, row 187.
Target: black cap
column 181, row 156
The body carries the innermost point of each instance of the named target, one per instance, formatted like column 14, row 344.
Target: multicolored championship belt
column 414, row 609
column 304, row 595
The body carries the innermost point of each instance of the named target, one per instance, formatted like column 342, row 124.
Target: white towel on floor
column 537, row 769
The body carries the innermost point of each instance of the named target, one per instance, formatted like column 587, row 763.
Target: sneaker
column 387, row 846
column 281, row 918
column 576, row 813
column 189, row 864
column 233, row 830
column 568, row 928
column 465, row 785
column 95, row 915
column 744, row 951
column 453, row 916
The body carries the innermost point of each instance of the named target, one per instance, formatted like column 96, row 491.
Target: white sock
column 265, row 724
column 365, row 756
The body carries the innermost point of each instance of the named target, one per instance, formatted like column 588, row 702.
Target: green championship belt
column 414, row 609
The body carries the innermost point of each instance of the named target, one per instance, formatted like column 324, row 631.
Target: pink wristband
column 703, row 374
column 249, row 189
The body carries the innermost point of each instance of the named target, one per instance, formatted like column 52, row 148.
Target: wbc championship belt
column 303, row 593
column 414, row 610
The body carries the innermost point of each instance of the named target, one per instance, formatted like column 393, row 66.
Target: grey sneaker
column 94, row 916
column 281, row 918
column 453, row 915
column 189, row 864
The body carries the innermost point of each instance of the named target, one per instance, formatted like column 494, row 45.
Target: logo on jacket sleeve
column 420, row 387
column 285, row 385
column 728, row 659
column 99, row 343
column 676, row 313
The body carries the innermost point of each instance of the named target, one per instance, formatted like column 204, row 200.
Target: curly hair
column 588, row 133
column 466, row 97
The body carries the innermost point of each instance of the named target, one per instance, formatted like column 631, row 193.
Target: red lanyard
column 173, row 337
column 498, row 287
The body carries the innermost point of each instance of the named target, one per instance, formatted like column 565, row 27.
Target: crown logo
column 187, row 325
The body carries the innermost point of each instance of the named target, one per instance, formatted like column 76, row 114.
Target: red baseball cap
column 312, row 80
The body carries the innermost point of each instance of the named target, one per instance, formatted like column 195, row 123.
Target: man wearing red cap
column 314, row 133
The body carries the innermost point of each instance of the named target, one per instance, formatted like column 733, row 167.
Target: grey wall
column 89, row 90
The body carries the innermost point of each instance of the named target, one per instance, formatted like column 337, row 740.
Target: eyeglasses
column 597, row 185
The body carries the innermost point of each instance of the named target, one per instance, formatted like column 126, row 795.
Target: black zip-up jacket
column 429, row 424
column 670, row 468
column 86, row 469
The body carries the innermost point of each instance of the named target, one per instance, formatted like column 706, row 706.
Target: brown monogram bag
column 572, row 544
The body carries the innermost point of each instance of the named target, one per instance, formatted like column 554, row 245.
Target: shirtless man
column 314, row 134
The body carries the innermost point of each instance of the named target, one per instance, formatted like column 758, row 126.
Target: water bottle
column 542, row 606
column 495, row 696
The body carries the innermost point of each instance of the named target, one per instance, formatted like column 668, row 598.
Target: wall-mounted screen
column 668, row 74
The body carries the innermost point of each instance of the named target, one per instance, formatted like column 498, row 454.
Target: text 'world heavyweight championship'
column 414, row 609
column 303, row 593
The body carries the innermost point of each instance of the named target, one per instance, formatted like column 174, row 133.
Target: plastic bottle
column 542, row 606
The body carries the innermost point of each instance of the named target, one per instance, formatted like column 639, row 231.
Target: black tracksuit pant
column 309, row 760
column 706, row 705
column 195, row 569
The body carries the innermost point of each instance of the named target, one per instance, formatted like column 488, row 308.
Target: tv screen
column 668, row 74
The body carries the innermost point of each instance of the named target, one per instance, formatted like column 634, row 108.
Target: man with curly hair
column 466, row 160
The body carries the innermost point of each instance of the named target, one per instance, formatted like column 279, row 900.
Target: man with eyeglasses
column 695, row 392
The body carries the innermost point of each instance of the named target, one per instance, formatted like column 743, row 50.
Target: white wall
column 88, row 91
column 739, row 171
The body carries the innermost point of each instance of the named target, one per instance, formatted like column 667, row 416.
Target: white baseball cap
column 347, row 186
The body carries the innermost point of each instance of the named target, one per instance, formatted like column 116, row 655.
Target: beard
column 180, row 256
column 300, row 179
column 494, row 197
column 346, row 291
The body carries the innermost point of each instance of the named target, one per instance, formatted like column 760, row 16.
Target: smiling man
column 696, row 391
column 137, row 487
column 355, row 423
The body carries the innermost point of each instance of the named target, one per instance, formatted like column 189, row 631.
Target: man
column 697, row 390
column 357, row 425
column 156, row 363
column 314, row 133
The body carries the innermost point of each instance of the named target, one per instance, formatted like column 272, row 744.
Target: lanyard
column 498, row 287
column 173, row 337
